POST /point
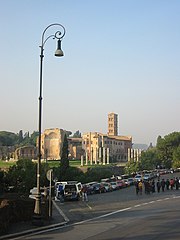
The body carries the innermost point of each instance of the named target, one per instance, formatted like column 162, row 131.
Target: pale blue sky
column 121, row 56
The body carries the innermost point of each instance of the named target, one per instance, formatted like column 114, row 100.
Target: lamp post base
column 37, row 220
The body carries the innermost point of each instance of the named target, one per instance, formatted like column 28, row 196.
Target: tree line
column 166, row 154
column 17, row 139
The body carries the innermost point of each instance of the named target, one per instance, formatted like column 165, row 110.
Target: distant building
column 112, row 124
column 75, row 148
column 25, row 152
column 101, row 148
column 7, row 152
column 93, row 146
column 52, row 143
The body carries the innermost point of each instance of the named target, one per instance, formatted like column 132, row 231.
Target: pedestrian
column 137, row 187
column 163, row 184
column 153, row 186
column 140, row 185
column 60, row 193
column 84, row 193
column 172, row 183
column 158, row 185
column 167, row 184
column 147, row 187
column 177, row 183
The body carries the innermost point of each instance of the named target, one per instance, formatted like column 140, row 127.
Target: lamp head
column 59, row 52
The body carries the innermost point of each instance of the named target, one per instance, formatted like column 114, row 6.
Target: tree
column 77, row 134
column 133, row 167
column 33, row 138
column 22, row 176
column 166, row 146
column 8, row 138
column 64, row 162
column 20, row 136
column 176, row 158
column 68, row 133
column 149, row 159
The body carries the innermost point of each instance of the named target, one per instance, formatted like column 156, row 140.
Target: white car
column 127, row 182
column 138, row 178
column 33, row 192
column 114, row 185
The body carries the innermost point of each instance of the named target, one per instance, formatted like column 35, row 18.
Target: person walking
column 163, row 184
column 60, row 193
column 153, row 186
column 177, row 183
column 84, row 193
column 167, row 184
column 172, row 183
column 158, row 185
column 140, row 186
column 137, row 187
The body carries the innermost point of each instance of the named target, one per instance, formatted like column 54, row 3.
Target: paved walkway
column 23, row 228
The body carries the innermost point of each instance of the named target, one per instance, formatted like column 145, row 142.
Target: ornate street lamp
column 58, row 53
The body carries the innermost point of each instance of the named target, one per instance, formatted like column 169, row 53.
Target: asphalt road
column 120, row 215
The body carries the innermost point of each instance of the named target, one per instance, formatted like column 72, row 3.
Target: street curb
column 15, row 235
column 35, row 230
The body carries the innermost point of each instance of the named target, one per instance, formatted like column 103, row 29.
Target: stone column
column 129, row 154
column 107, row 155
column 82, row 160
column 100, row 155
column 91, row 160
column 86, row 157
column 132, row 154
column 135, row 155
column 96, row 156
column 104, row 155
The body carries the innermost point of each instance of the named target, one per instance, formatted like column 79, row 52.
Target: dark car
column 98, row 188
column 90, row 189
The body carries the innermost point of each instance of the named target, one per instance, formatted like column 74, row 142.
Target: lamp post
column 58, row 53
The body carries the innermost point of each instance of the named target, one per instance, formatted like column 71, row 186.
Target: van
column 72, row 190
column 33, row 192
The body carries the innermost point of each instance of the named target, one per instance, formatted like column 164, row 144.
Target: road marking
column 95, row 218
column 60, row 211
column 88, row 206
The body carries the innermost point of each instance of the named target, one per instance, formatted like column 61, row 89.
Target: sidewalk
column 24, row 228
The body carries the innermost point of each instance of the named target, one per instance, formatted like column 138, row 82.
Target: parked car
column 138, row 178
column 114, row 185
column 107, row 186
column 33, row 192
column 90, row 189
column 72, row 191
column 131, row 180
column 127, row 182
column 121, row 184
column 98, row 188
column 147, row 177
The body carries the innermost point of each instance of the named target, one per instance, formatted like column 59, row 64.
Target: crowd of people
column 151, row 186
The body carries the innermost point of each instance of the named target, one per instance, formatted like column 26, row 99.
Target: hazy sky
column 121, row 56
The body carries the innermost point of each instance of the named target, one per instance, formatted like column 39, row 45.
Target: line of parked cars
column 72, row 189
column 108, row 185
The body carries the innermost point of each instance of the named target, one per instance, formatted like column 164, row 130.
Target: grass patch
column 8, row 164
